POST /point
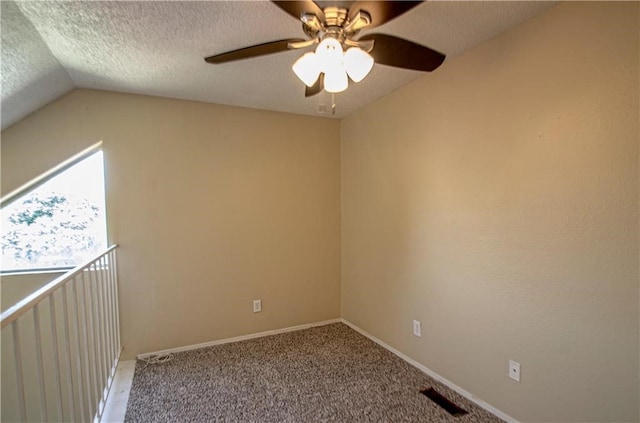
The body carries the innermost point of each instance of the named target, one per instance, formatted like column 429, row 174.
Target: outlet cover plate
column 417, row 329
column 257, row 306
column 514, row 370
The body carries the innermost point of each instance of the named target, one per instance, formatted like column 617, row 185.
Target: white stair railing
column 61, row 346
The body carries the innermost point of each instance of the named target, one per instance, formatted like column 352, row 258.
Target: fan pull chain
column 333, row 104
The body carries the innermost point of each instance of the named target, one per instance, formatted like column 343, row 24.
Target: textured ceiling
column 31, row 75
column 157, row 48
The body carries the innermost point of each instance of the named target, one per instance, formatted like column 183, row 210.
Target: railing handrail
column 26, row 304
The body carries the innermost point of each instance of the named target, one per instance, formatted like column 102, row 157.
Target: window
column 60, row 223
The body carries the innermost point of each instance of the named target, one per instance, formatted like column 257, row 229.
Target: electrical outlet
column 417, row 329
column 257, row 306
column 514, row 370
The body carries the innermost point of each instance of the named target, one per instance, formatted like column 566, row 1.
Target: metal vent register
column 444, row 403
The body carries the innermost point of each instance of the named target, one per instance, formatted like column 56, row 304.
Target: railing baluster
column 39, row 361
column 95, row 296
column 117, row 309
column 95, row 372
column 95, row 303
column 109, row 321
column 114, row 299
column 109, row 369
column 56, row 358
column 103, row 322
column 17, row 355
column 83, row 371
column 85, row 337
column 88, row 339
column 103, row 331
column 67, row 338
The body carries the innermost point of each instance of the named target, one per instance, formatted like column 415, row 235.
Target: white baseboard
column 434, row 375
column 237, row 338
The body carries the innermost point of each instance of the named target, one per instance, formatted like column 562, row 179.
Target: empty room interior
column 473, row 220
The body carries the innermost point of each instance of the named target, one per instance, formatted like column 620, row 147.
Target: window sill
column 19, row 272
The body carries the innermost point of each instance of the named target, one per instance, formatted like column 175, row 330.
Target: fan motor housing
column 335, row 16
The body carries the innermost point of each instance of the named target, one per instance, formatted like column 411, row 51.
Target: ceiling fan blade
column 300, row 7
column 400, row 53
column 253, row 51
column 316, row 88
column 381, row 11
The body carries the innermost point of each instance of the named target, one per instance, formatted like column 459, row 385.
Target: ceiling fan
column 338, row 56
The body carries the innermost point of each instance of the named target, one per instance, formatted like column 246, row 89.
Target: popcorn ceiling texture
column 31, row 75
column 327, row 373
column 157, row 48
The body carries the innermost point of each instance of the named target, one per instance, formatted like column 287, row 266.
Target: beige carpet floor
column 324, row 374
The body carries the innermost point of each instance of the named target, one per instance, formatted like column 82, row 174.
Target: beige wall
column 212, row 206
column 15, row 287
column 496, row 201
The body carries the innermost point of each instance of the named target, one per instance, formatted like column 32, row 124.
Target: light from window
column 61, row 223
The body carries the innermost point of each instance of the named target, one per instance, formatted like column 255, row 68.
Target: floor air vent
column 448, row 406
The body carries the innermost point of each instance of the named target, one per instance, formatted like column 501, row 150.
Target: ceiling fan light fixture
column 336, row 81
column 357, row 63
column 333, row 29
column 307, row 68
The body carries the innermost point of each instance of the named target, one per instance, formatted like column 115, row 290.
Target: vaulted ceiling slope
column 157, row 48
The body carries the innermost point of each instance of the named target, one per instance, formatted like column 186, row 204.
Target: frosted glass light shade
column 357, row 63
column 307, row 68
column 329, row 50
column 336, row 81
column 337, row 66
